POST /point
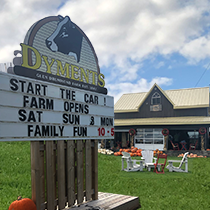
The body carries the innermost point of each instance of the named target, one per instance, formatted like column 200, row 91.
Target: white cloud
column 160, row 64
column 197, row 49
column 118, row 29
column 124, row 29
column 142, row 85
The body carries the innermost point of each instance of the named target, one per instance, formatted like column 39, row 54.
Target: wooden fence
column 64, row 172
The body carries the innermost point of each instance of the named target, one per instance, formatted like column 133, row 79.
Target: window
column 149, row 136
column 155, row 99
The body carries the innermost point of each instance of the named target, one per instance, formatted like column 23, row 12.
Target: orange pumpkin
column 22, row 204
column 121, row 150
column 133, row 150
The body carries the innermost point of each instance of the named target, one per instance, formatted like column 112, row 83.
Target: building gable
column 156, row 104
column 153, row 94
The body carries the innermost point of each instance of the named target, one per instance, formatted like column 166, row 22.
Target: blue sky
column 138, row 43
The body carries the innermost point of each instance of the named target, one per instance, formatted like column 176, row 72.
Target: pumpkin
column 22, row 204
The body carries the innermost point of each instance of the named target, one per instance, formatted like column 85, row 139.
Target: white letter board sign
column 35, row 110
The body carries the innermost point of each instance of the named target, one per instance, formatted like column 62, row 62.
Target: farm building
column 184, row 113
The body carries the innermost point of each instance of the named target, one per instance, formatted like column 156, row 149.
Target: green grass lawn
column 156, row 191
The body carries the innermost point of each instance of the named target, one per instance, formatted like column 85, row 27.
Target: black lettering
column 92, row 121
column 68, row 94
column 84, row 131
column 51, row 130
column 61, row 130
column 31, row 117
column 22, row 85
column 71, row 118
column 103, row 121
column 25, row 100
column 37, row 131
column 73, row 96
column 39, row 115
column 109, row 121
column 30, row 129
column 77, row 119
column 66, row 106
column 106, row 121
column 14, row 84
column 49, row 104
column 76, row 107
column 91, row 99
column 41, row 103
column 62, row 90
column 34, row 103
column 22, row 115
column 65, row 118
column 45, row 130
column 81, row 108
column 96, row 99
column 38, row 89
column 86, row 109
column 54, row 131
column 44, row 89
column 71, row 106
column 30, row 88
column 85, row 97
column 75, row 131
column 80, row 131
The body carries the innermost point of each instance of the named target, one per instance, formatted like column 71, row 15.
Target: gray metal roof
column 181, row 99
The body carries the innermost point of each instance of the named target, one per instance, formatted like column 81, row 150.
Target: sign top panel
column 56, row 50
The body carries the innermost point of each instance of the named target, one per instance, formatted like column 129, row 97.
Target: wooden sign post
column 57, row 173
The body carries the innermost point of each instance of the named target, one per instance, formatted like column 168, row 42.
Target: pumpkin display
column 191, row 155
column 22, row 204
column 134, row 151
